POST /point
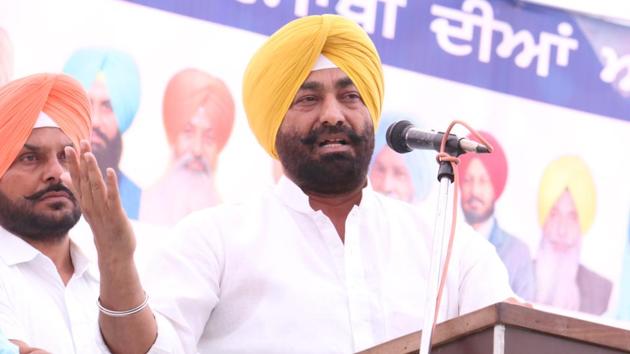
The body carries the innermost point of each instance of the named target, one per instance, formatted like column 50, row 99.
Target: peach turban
column 568, row 173
column 191, row 89
column 494, row 162
column 21, row 101
column 280, row 66
column 6, row 58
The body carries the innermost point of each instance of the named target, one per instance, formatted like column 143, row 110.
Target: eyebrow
column 344, row 82
column 311, row 85
column 32, row 147
column 38, row 148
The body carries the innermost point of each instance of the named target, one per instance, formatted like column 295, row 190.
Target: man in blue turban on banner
column 408, row 177
column 112, row 81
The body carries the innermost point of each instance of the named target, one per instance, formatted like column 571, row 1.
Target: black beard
column 20, row 219
column 108, row 155
column 477, row 218
column 332, row 174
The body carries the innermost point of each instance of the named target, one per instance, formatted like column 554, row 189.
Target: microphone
column 403, row 137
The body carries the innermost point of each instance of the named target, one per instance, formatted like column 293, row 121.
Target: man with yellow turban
column 566, row 210
column 319, row 264
column 48, row 285
column 198, row 113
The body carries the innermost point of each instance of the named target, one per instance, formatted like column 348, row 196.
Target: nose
column 388, row 182
column 332, row 112
column 197, row 143
column 55, row 167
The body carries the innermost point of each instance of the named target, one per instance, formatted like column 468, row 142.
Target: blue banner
column 528, row 51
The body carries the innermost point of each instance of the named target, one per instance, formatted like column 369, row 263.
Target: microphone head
column 396, row 136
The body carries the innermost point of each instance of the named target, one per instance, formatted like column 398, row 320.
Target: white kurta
column 37, row 308
column 272, row 276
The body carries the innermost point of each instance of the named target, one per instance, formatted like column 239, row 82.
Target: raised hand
column 100, row 203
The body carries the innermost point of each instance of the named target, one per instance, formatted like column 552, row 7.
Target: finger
column 86, row 191
column 73, row 168
column 96, row 182
column 113, row 193
column 85, row 146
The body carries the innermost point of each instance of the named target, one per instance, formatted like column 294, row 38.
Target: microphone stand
column 441, row 229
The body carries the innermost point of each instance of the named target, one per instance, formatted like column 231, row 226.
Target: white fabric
column 272, row 276
column 485, row 228
column 36, row 307
column 44, row 121
column 323, row 63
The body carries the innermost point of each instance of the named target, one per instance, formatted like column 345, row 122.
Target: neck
column 336, row 207
column 59, row 253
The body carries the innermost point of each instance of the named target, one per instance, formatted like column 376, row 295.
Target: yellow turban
column 568, row 173
column 283, row 63
column 21, row 101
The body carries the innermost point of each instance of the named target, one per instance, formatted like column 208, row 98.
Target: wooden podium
column 505, row 328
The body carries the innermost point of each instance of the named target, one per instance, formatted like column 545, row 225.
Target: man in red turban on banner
column 482, row 183
column 198, row 118
column 48, row 285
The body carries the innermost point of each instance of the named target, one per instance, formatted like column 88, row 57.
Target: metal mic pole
column 438, row 254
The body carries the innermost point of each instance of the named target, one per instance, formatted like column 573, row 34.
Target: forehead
column 326, row 76
column 98, row 91
column 565, row 202
column 48, row 137
column 477, row 168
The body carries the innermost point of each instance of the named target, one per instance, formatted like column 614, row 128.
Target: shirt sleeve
column 182, row 281
column 483, row 277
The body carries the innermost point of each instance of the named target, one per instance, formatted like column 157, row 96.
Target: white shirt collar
column 291, row 195
column 14, row 250
column 486, row 227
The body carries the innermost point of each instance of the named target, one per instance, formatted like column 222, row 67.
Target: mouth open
column 332, row 142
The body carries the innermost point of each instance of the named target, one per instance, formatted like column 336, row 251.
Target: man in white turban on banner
column 318, row 264
column 198, row 113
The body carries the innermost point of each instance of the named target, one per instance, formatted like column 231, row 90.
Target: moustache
column 353, row 137
column 52, row 188
column 473, row 199
column 98, row 132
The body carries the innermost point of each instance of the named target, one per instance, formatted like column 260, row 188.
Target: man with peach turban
column 318, row 264
column 6, row 57
column 48, row 285
column 198, row 113
column 112, row 81
column 482, row 183
column 566, row 210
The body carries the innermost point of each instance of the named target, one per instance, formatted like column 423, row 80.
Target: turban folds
column 121, row 79
column 568, row 173
column 494, row 162
column 282, row 64
column 21, row 102
column 190, row 90
column 6, row 58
